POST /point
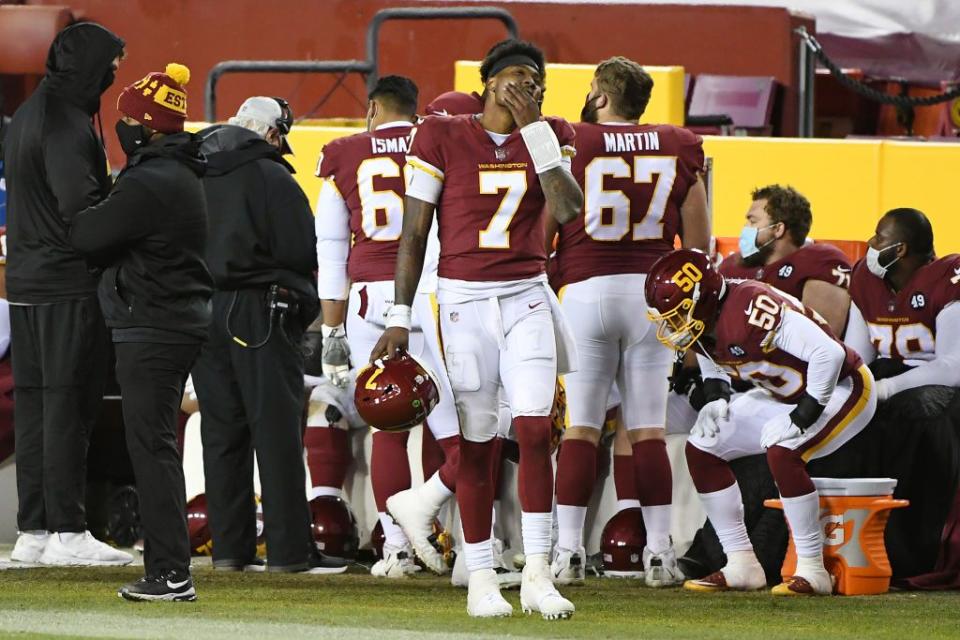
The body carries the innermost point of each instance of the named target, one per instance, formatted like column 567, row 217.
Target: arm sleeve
column 800, row 336
column 709, row 369
column 333, row 242
column 125, row 215
column 290, row 221
column 857, row 336
column 944, row 369
column 72, row 171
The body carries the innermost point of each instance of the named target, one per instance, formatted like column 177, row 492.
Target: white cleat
column 416, row 519
column 81, row 550
column 743, row 574
column 660, row 569
column 537, row 592
column 397, row 562
column 483, row 596
column 29, row 547
column 567, row 567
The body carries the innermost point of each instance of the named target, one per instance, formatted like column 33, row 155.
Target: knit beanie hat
column 159, row 100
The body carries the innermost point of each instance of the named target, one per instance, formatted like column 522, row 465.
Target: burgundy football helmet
column 622, row 544
column 455, row 103
column 334, row 527
column 683, row 294
column 395, row 394
column 440, row 539
column 201, row 543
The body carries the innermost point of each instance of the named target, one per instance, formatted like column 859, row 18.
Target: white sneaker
column 483, row 596
column 81, row 550
column 537, row 592
column 660, row 569
column 567, row 567
column 416, row 518
column 508, row 577
column 29, row 547
column 397, row 562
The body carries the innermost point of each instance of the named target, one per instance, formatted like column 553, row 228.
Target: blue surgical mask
column 748, row 240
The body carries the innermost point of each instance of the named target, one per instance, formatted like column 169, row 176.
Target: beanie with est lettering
column 159, row 100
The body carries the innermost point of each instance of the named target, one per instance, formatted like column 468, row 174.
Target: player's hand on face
column 393, row 341
column 522, row 105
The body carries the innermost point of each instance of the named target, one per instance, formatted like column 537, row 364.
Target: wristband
column 336, row 331
column 543, row 146
column 716, row 389
column 400, row 315
column 807, row 412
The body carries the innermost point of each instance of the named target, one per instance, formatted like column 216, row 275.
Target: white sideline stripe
column 136, row 625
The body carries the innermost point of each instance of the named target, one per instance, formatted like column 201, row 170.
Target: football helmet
column 395, row 394
column 622, row 544
column 201, row 543
column 334, row 527
column 440, row 539
column 683, row 293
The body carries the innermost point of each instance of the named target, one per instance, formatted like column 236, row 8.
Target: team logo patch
column 918, row 301
column 737, row 351
column 500, row 154
column 785, row 271
column 454, row 316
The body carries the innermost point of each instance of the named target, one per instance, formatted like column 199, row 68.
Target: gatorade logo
column 835, row 530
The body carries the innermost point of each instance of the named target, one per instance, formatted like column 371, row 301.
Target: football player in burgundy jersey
column 642, row 187
column 491, row 176
column 905, row 305
column 362, row 198
column 774, row 249
column 812, row 395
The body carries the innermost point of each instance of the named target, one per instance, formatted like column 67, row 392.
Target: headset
column 285, row 122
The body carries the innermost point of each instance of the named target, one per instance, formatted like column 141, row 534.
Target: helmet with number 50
column 683, row 292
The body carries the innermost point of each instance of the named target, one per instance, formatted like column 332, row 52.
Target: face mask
column 131, row 137
column 748, row 241
column 873, row 260
column 589, row 111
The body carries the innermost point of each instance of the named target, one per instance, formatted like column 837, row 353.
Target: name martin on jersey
column 635, row 141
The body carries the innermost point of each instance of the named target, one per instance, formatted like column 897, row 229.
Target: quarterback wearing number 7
column 811, row 396
column 490, row 177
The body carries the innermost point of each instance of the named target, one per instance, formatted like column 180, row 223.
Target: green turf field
column 83, row 603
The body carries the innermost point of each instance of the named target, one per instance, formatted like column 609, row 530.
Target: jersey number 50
column 608, row 212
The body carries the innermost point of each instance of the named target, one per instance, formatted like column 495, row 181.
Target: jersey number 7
column 514, row 186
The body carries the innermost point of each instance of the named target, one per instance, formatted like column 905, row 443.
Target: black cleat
column 320, row 563
column 255, row 565
column 175, row 586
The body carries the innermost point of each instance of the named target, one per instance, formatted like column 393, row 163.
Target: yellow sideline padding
column 568, row 85
column 850, row 183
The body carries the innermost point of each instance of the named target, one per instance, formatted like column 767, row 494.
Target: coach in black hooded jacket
column 55, row 166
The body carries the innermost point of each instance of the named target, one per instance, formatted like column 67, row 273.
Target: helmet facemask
column 677, row 328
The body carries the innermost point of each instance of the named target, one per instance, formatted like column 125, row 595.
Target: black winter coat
column 150, row 235
column 261, row 225
column 55, row 167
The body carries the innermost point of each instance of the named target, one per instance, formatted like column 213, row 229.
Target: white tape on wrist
column 400, row 315
column 326, row 331
column 543, row 146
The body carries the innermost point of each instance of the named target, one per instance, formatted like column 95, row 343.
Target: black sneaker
column 256, row 565
column 170, row 585
column 320, row 563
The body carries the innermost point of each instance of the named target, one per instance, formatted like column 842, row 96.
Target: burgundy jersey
column 790, row 274
column 903, row 325
column 367, row 169
column 490, row 214
column 750, row 315
column 634, row 179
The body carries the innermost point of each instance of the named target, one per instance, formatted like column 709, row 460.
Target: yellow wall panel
column 840, row 178
column 924, row 176
column 568, row 85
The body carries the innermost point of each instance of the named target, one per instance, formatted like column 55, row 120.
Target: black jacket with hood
column 150, row 234
column 261, row 224
column 55, row 167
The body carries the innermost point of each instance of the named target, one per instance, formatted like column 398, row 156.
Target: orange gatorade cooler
column 853, row 514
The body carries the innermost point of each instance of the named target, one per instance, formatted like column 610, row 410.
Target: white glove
column 777, row 430
column 188, row 389
column 707, row 425
column 336, row 355
column 884, row 389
